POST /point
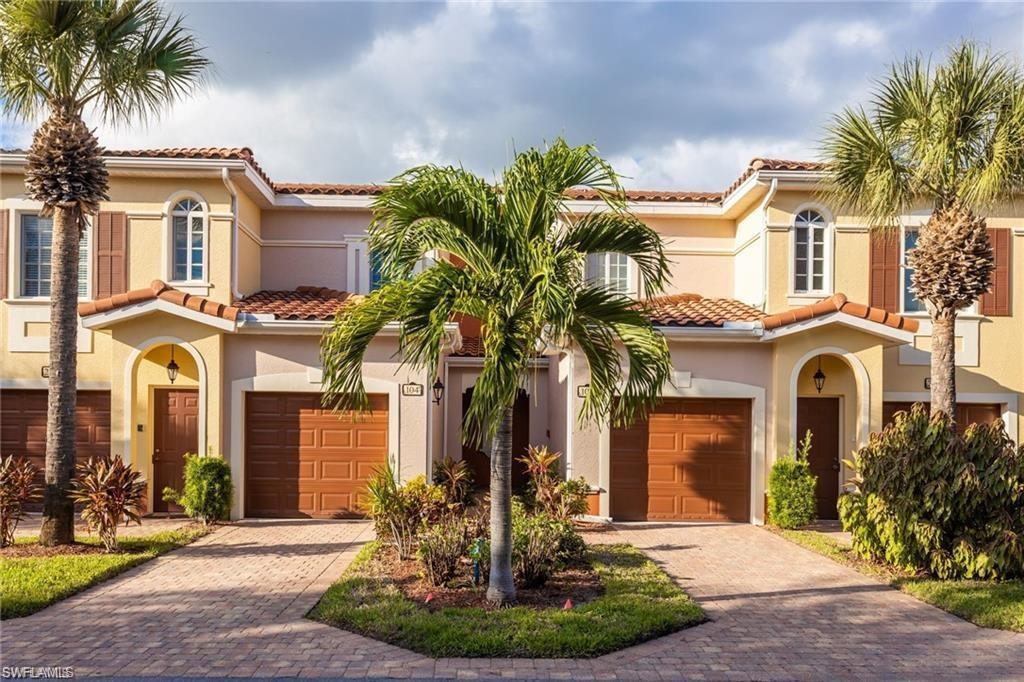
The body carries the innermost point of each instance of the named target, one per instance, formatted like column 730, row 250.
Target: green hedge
column 932, row 500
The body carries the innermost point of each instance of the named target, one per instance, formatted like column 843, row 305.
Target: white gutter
column 233, row 191
column 772, row 189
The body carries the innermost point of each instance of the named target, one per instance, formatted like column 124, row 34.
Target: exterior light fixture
column 819, row 377
column 438, row 390
column 172, row 367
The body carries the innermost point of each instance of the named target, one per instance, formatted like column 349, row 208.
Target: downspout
column 233, row 191
column 764, row 241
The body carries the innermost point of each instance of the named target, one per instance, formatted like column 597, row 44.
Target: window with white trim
column 611, row 269
column 188, row 242
column 36, row 251
column 809, row 253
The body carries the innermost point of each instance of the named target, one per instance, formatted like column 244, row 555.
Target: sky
column 676, row 95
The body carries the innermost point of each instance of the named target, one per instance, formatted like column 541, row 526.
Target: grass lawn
column 989, row 604
column 28, row 584
column 640, row 602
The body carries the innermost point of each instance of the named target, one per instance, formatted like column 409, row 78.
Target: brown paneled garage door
column 302, row 460
column 690, row 461
column 966, row 413
column 23, row 425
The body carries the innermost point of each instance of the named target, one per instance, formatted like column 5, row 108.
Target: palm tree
column 516, row 263
column 124, row 60
column 949, row 137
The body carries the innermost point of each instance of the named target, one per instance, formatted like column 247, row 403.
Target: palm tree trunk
column 501, row 589
column 943, row 365
column 58, row 526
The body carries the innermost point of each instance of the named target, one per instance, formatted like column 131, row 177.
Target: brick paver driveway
column 233, row 604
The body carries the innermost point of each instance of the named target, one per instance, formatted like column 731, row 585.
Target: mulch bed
column 578, row 583
column 27, row 550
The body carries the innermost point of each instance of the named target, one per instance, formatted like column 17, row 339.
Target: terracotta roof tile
column 303, row 303
column 328, row 189
column 835, row 304
column 586, row 194
column 760, row 163
column 472, row 347
column 159, row 290
column 693, row 310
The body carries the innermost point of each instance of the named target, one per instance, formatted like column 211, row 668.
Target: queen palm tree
column 516, row 263
column 124, row 60
column 950, row 137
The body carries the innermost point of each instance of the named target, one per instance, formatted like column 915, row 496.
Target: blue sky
column 677, row 95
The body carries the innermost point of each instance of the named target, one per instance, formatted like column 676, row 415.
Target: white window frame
column 971, row 310
column 828, row 247
column 602, row 262
column 168, row 266
column 16, row 266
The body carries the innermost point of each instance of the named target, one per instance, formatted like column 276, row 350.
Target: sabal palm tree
column 949, row 137
column 125, row 60
column 514, row 258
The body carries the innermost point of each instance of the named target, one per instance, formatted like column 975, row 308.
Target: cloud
column 802, row 61
column 703, row 165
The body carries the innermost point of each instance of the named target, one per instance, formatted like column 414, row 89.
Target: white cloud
column 800, row 61
column 703, row 165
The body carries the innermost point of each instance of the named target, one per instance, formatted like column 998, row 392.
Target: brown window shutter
column 110, row 268
column 997, row 301
column 884, row 287
column 4, row 237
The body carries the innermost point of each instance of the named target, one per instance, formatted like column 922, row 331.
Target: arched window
column 188, row 233
column 810, row 253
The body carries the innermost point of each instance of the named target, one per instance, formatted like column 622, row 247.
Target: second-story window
column 188, row 236
column 376, row 276
column 612, row 270
column 910, row 302
column 809, row 252
column 36, row 251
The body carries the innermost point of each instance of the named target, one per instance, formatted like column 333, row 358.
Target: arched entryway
column 827, row 406
column 166, row 384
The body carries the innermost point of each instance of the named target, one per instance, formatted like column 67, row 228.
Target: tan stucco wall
column 287, row 264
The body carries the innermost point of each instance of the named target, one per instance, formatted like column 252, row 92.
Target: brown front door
column 304, row 460
column 176, row 433
column 966, row 413
column 689, row 461
column 820, row 416
column 480, row 464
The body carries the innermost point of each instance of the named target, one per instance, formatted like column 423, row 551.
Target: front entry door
column 480, row 463
column 176, row 433
column 820, row 416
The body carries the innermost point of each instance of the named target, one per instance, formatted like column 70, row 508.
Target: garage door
column 966, row 413
column 690, row 461
column 23, row 425
column 302, row 460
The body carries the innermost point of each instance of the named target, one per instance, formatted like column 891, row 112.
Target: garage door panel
column 303, row 460
column 690, row 461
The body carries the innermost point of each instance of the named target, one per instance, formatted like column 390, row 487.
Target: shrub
column 535, row 546
column 456, row 480
column 207, row 492
column 441, row 546
column 541, row 464
column 926, row 498
column 791, row 498
column 572, row 498
column 17, row 488
column 547, row 493
column 400, row 511
column 111, row 493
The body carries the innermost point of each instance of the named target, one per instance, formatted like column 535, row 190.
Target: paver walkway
column 233, row 604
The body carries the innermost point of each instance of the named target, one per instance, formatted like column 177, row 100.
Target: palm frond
column 620, row 232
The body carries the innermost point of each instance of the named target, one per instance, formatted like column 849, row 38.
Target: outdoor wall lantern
column 819, row 377
column 438, row 389
column 172, row 367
